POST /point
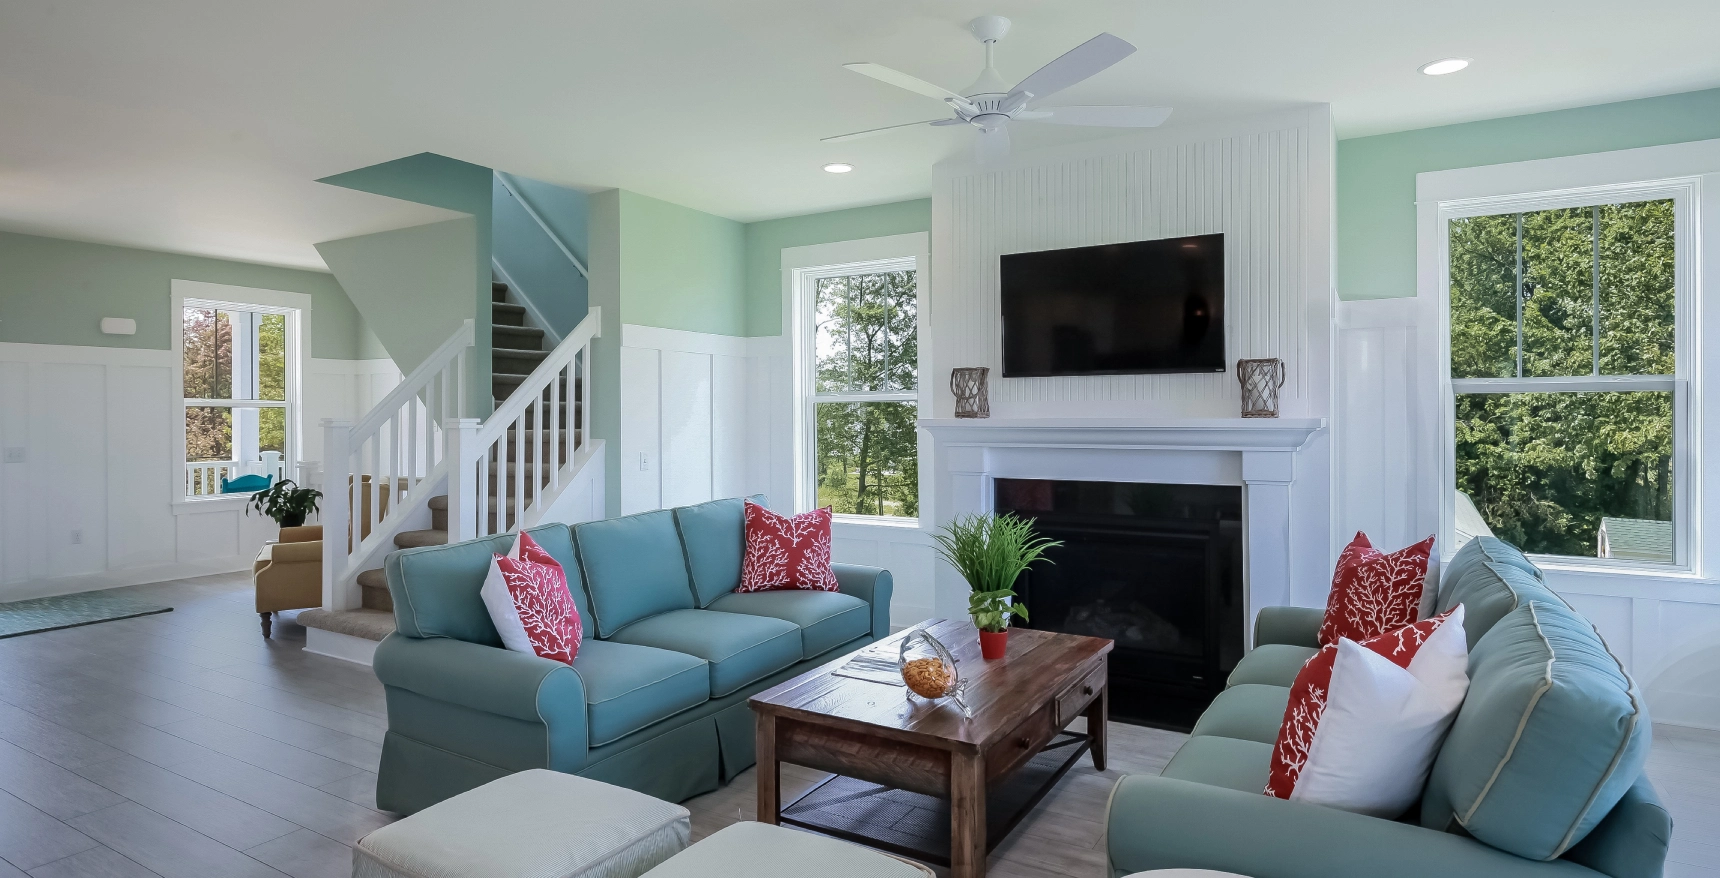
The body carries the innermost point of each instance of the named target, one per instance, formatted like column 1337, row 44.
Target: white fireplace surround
column 1259, row 455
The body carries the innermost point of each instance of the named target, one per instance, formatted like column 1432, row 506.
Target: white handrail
column 372, row 470
column 554, row 238
column 527, row 474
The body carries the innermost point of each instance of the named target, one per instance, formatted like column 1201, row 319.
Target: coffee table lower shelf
column 917, row 825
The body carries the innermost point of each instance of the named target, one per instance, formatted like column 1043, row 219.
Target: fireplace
column 1157, row 568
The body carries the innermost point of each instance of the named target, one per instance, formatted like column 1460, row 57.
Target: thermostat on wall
column 119, row 326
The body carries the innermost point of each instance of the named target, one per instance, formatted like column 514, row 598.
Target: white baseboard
column 341, row 646
column 122, row 577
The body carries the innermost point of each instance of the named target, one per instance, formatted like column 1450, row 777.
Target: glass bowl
column 929, row 670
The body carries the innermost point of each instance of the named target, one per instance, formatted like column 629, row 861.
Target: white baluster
column 336, row 508
column 465, row 508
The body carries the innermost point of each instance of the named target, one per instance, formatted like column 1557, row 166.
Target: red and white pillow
column 1365, row 720
column 786, row 553
column 526, row 594
column 1373, row 592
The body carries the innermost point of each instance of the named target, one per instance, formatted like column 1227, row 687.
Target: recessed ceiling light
column 839, row 167
column 1444, row 66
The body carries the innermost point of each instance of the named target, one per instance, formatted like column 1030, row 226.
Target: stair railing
column 373, row 469
column 511, row 467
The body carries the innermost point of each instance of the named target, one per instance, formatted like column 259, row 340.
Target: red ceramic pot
column 993, row 643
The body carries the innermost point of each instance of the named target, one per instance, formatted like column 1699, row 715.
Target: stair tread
column 412, row 539
column 368, row 624
column 440, row 501
column 377, row 578
column 507, row 307
column 518, row 352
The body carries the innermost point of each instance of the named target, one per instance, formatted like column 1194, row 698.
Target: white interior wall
column 89, row 477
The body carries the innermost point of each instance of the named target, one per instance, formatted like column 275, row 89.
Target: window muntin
column 1563, row 363
column 237, row 416
column 864, row 381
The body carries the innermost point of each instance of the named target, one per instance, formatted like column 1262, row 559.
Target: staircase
column 514, row 472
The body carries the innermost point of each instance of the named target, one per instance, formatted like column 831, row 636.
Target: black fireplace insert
column 1156, row 568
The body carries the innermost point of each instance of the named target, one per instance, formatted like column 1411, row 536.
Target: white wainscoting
column 88, row 477
column 1666, row 629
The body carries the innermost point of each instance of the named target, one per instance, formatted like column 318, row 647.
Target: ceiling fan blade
column 991, row 147
column 1103, row 117
column 942, row 122
column 902, row 80
column 1075, row 65
column 871, row 131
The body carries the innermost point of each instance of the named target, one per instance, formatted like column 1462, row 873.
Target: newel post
column 336, row 513
column 463, row 454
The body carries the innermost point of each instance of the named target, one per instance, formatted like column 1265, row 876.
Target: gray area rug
column 70, row 611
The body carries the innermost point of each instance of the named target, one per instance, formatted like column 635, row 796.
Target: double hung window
column 238, row 417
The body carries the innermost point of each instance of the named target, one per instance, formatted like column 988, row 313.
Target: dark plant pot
column 993, row 643
column 293, row 520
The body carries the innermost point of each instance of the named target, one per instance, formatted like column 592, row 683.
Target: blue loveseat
column 1539, row 777
column 656, row 700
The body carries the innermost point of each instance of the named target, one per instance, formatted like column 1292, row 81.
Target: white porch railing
column 514, row 464
column 373, row 470
column 203, row 477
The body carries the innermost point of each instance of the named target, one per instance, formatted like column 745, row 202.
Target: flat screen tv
column 1140, row 308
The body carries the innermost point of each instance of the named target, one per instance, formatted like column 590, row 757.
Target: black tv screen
column 1116, row 309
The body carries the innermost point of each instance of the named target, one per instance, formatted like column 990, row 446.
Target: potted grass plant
column 990, row 551
column 285, row 502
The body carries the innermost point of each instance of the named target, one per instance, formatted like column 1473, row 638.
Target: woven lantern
column 1261, row 380
column 968, row 384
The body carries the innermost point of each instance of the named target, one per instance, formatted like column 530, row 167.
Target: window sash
column 236, row 403
column 1577, row 384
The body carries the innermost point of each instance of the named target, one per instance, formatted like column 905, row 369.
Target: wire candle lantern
column 1261, row 380
column 968, row 384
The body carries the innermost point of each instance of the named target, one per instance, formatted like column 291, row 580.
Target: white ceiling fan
column 990, row 104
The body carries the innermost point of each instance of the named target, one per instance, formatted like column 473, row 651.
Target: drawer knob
column 1024, row 742
column 1086, row 690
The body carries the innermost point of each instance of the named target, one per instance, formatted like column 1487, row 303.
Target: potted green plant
column 285, row 502
column 990, row 551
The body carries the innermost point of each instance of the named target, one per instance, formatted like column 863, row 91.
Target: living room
column 1179, row 298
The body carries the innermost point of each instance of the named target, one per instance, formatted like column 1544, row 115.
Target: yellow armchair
column 288, row 574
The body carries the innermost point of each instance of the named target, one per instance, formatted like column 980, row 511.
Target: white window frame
column 804, row 267
column 1685, row 195
column 297, row 309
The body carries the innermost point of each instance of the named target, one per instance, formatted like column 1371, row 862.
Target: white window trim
column 802, row 267
column 1677, row 173
column 297, row 308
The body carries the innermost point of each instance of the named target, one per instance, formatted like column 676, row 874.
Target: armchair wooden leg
column 268, row 624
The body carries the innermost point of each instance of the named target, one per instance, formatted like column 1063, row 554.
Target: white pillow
column 1382, row 724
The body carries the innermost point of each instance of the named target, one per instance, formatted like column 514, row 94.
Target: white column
column 336, row 512
column 1266, row 479
column 463, row 453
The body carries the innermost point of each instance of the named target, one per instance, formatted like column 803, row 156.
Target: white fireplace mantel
column 1257, row 454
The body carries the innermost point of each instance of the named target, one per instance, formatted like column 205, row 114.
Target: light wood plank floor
column 185, row 745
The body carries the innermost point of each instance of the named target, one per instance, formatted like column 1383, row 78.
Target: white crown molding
column 634, row 335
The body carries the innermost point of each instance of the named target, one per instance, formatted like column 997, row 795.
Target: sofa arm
column 1163, row 823
column 491, row 680
column 872, row 585
column 1291, row 626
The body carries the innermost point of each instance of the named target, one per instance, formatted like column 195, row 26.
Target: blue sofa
column 1541, row 775
column 656, row 700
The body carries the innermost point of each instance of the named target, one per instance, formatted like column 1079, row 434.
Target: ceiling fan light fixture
column 838, row 167
column 1444, row 66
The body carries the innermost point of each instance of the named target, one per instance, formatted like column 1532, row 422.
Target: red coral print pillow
column 1373, row 593
column 787, row 553
column 527, row 596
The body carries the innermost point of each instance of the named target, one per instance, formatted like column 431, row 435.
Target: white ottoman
column 759, row 850
column 535, row 824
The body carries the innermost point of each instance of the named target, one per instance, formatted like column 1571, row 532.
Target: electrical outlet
column 77, row 537
column 15, row 455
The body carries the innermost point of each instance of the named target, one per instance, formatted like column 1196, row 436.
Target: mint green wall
column 418, row 280
column 680, row 268
column 1376, row 175
column 765, row 241
column 54, row 291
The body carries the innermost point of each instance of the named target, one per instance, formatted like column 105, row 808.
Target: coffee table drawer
column 1071, row 702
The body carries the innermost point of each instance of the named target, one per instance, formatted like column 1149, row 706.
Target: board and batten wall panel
column 689, row 434
column 1264, row 184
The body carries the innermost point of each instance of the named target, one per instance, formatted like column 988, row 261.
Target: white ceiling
column 199, row 127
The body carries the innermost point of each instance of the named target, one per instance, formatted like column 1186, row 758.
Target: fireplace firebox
column 1156, row 568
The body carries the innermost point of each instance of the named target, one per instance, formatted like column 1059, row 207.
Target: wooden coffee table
column 902, row 762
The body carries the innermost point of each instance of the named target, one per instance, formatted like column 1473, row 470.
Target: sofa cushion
column 1274, row 664
column 1488, row 591
column 1551, row 736
column 435, row 589
column 1222, row 762
column 633, row 568
column 1251, row 711
column 629, row 687
column 714, row 537
column 825, row 618
column 740, row 648
column 1479, row 551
